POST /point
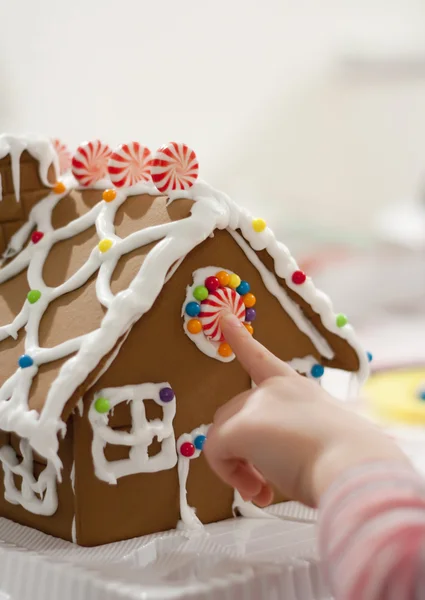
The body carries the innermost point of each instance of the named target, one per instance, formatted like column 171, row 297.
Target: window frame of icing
column 141, row 435
column 205, row 345
column 44, row 486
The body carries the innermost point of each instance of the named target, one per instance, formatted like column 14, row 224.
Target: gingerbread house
column 112, row 362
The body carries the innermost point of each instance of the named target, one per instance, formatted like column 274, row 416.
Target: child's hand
column 287, row 431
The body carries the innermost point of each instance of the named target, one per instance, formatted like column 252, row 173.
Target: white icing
column 248, row 509
column 189, row 520
column 40, row 148
column 140, row 437
column 72, row 477
column 212, row 210
column 38, row 496
column 74, row 531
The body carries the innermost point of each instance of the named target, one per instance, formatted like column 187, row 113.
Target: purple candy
column 250, row 315
column 166, row 394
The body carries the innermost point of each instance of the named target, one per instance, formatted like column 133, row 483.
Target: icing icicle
column 40, row 148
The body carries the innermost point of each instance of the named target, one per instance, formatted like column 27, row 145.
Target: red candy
column 36, row 237
column 298, row 277
column 187, row 449
column 90, row 162
column 212, row 284
column 174, row 167
column 223, row 299
column 129, row 164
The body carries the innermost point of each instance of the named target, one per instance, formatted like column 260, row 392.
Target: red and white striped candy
column 129, row 164
column 64, row 155
column 90, row 162
column 212, row 308
column 174, row 167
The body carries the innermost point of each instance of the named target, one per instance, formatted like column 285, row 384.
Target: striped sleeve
column 372, row 534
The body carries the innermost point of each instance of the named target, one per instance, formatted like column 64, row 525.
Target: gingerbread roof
column 168, row 242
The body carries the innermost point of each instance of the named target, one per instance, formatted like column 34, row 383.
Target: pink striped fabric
column 372, row 534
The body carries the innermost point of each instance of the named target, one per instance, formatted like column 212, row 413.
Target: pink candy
column 64, row 155
column 129, row 164
column 90, row 162
column 174, row 167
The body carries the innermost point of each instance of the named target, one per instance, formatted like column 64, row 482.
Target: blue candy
column 193, row 309
column 243, row 288
column 25, row 361
column 317, row 371
column 199, row 442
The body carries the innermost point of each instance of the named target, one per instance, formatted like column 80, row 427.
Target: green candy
column 341, row 320
column 200, row 293
column 102, row 405
column 34, row 296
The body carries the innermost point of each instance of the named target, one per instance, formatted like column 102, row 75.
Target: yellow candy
column 225, row 350
column 59, row 187
column 109, row 195
column 234, row 281
column 194, row 326
column 223, row 278
column 259, row 225
column 105, row 245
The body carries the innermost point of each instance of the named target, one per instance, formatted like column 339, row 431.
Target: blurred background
column 310, row 113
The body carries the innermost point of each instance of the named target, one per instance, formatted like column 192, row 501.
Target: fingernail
column 231, row 320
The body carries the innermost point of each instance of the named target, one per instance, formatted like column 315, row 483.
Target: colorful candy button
column 105, row 245
column 25, row 361
column 36, row 237
column 249, row 300
column 200, row 293
column 174, row 167
column 369, row 356
column 249, row 328
column 199, row 441
column 212, row 284
column 341, row 320
column 187, row 449
column 166, row 394
column 298, row 277
column 59, row 187
column 250, row 315
column 193, row 309
column 317, row 371
column 225, row 350
column 109, row 195
column 223, row 278
column 234, row 281
column 259, row 225
column 194, row 326
column 421, row 393
column 33, row 296
column 102, row 405
column 129, row 164
column 243, row 288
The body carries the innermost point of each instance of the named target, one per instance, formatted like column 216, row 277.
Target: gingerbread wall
column 13, row 214
column 157, row 350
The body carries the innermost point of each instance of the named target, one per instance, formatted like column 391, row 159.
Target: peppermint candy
column 174, row 167
column 129, row 164
column 64, row 156
column 90, row 162
column 224, row 299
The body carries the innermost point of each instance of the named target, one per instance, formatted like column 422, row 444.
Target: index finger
column 258, row 362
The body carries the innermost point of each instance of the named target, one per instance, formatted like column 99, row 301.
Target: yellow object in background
column 397, row 395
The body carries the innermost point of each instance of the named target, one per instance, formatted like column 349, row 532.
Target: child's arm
column 289, row 432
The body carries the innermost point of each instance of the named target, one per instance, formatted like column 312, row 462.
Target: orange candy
column 249, row 300
column 223, row 278
column 249, row 328
column 194, row 326
column 59, row 187
column 225, row 350
column 109, row 195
